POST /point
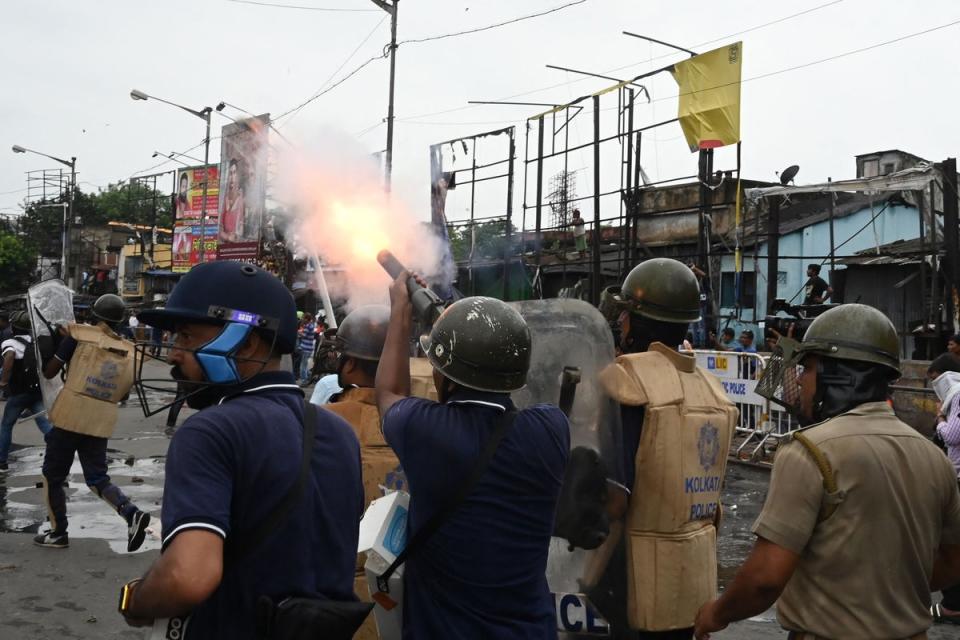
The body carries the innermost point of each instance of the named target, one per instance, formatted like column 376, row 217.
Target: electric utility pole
column 391, row 8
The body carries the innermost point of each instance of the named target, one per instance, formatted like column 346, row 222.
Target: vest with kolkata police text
column 670, row 532
column 99, row 375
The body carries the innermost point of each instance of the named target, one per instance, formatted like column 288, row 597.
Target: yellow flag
column 710, row 97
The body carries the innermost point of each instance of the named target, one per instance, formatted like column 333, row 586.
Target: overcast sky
column 67, row 67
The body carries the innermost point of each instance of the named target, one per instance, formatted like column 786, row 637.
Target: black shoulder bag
column 300, row 618
column 456, row 499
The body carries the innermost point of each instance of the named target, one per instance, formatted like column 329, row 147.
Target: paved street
column 72, row 593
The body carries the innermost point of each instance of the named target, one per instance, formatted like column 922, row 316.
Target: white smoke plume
column 337, row 208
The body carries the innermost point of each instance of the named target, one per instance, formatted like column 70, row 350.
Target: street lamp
column 203, row 114
column 68, row 210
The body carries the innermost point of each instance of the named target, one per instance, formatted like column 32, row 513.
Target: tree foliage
column 17, row 262
column 41, row 224
column 489, row 240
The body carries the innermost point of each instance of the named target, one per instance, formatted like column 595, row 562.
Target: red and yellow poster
column 186, row 245
column 189, row 223
column 189, row 197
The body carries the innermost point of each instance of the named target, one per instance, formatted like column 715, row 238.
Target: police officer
column 358, row 344
column 230, row 464
column 20, row 377
column 84, row 416
column 677, row 428
column 481, row 574
column 862, row 517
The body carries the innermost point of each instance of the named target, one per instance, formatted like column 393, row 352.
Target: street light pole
column 203, row 114
column 206, row 181
column 68, row 209
column 390, row 8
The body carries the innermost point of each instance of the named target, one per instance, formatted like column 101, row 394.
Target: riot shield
column 571, row 333
column 50, row 304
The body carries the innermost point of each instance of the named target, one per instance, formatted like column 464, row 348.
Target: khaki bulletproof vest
column 670, row 534
column 99, row 375
column 358, row 406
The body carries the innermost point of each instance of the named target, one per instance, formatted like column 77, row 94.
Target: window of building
column 871, row 168
column 888, row 168
column 133, row 265
column 728, row 292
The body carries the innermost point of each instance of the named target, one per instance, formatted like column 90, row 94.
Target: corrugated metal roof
column 901, row 252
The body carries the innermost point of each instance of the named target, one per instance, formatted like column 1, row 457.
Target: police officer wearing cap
column 230, row 464
column 862, row 517
column 677, row 428
column 481, row 574
column 99, row 365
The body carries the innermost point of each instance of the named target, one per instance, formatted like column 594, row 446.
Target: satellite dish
column 788, row 174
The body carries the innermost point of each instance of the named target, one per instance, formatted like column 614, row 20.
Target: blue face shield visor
column 217, row 359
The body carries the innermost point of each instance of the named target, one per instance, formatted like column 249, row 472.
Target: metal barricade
column 760, row 424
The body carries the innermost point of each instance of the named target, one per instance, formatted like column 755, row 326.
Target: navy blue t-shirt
column 483, row 573
column 65, row 351
column 228, row 466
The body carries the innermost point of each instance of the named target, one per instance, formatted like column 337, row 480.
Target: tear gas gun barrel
column 569, row 380
column 427, row 305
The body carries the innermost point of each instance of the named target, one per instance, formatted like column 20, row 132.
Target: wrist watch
column 126, row 596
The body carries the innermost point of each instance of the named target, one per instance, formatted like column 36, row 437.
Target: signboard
column 186, row 245
column 738, row 373
column 742, row 391
column 243, row 183
column 188, row 201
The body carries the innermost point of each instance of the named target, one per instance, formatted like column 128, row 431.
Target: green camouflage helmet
column 109, row 308
column 362, row 333
column 853, row 332
column 662, row 289
column 480, row 343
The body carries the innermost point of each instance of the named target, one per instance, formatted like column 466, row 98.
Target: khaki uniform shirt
column 865, row 572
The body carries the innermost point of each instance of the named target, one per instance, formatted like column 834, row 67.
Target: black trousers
column 61, row 447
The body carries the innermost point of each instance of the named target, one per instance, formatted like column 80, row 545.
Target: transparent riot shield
column 566, row 334
column 50, row 304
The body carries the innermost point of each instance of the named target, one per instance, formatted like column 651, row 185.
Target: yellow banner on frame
column 709, row 110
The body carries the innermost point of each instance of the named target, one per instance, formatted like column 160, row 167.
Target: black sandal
column 939, row 617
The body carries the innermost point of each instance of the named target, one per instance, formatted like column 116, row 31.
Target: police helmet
column 109, row 308
column 854, row 332
column 362, row 333
column 20, row 321
column 481, row 343
column 662, row 289
column 229, row 292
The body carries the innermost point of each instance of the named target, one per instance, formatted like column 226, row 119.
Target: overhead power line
column 761, row 76
column 628, row 66
column 492, row 26
column 301, row 7
column 331, row 87
column 338, row 70
column 386, row 51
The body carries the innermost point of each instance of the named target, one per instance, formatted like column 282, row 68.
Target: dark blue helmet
column 228, row 292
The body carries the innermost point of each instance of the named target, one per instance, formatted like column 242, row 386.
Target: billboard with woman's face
column 243, row 182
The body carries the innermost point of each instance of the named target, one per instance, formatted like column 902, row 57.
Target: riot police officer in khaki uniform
column 99, row 366
column 677, row 426
column 862, row 517
column 358, row 344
